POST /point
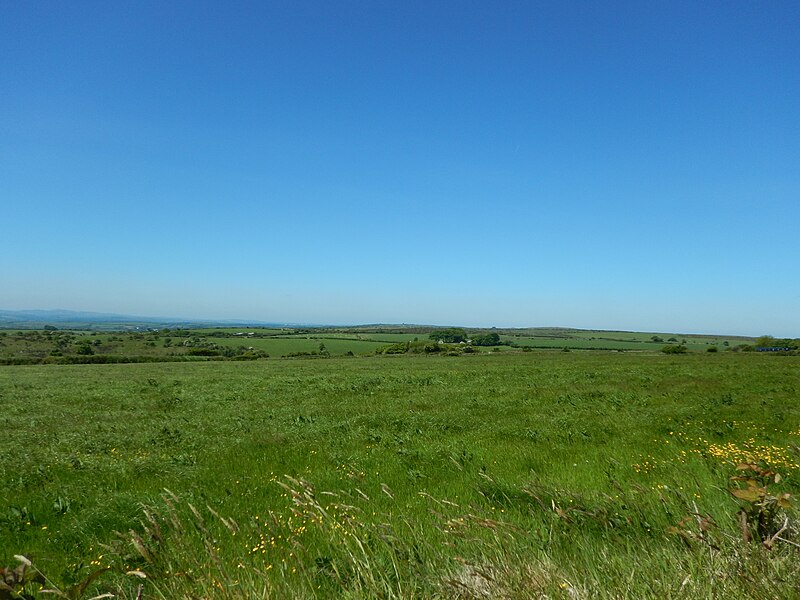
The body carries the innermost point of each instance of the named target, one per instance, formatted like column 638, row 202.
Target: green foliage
column 202, row 352
column 449, row 336
column 425, row 348
column 84, row 349
column 27, row 582
column 762, row 507
column 16, row 581
column 393, row 349
column 488, row 339
column 767, row 341
column 37, row 346
column 674, row 349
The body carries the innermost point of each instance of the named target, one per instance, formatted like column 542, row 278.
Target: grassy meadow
column 18, row 347
column 535, row 474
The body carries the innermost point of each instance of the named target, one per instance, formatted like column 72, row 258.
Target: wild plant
column 26, row 582
column 762, row 508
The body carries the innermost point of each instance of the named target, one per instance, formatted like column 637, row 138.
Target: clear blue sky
column 628, row 165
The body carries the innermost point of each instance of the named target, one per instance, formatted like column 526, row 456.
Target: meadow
column 497, row 474
column 153, row 345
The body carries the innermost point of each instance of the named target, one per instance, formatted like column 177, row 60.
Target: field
column 149, row 345
column 583, row 474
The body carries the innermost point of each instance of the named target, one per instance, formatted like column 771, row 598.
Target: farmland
column 88, row 346
column 524, row 474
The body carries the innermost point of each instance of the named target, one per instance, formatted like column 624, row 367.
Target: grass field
column 37, row 346
column 518, row 474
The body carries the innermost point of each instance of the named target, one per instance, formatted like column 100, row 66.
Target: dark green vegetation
column 56, row 346
column 497, row 474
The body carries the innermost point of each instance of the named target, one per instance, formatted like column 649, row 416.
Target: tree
column 674, row 349
column 488, row 339
column 85, row 349
column 765, row 341
column 450, row 336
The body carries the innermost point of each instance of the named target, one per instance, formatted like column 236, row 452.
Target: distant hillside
column 69, row 319
column 94, row 321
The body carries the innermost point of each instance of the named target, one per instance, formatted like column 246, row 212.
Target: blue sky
column 619, row 165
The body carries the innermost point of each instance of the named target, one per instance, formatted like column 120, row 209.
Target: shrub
column 251, row 355
column 489, row 339
column 399, row 348
column 674, row 349
column 450, row 336
column 202, row 352
column 85, row 349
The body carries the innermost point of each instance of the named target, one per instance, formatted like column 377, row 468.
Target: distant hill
column 70, row 319
column 94, row 321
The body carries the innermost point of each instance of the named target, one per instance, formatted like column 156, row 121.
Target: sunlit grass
column 468, row 476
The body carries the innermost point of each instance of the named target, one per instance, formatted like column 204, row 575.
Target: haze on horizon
column 613, row 166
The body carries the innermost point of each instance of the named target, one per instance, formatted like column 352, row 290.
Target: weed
column 26, row 581
column 762, row 508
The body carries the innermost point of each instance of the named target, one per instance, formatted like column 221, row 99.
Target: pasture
column 506, row 474
column 84, row 346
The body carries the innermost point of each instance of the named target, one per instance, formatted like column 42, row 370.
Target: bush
column 399, row 348
column 712, row 349
column 251, row 355
column 449, row 336
column 674, row 349
column 85, row 349
column 489, row 339
column 202, row 352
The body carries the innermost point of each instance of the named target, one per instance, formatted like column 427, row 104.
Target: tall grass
column 528, row 475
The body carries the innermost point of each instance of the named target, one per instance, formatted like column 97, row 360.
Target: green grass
column 283, row 346
column 615, row 340
column 521, row 474
column 33, row 346
column 37, row 346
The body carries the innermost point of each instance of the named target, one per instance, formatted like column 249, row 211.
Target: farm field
column 616, row 340
column 66, row 346
column 511, row 474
